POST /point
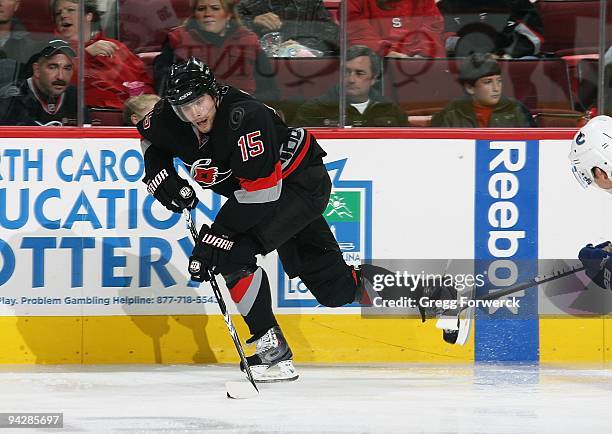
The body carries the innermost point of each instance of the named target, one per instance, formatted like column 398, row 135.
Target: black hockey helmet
column 189, row 80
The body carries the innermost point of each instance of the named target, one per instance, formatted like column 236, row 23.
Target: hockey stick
column 538, row 280
column 234, row 389
column 451, row 325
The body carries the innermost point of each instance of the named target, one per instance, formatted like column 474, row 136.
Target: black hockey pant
column 305, row 245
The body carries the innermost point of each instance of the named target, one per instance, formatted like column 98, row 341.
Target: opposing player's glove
column 211, row 250
column 171, row 191
column 595, row 262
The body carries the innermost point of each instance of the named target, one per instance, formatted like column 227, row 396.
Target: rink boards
column 92, row 270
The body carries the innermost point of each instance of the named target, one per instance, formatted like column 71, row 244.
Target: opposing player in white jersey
column 591, row 159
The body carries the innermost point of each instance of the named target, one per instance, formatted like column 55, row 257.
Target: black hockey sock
column 251, row 293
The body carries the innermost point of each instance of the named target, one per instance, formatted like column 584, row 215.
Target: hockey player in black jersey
column 276, row 187
column 591, row 159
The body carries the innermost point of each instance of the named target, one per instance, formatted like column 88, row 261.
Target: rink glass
column 561, row 88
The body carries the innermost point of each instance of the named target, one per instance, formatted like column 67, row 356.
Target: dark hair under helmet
column 189, row 80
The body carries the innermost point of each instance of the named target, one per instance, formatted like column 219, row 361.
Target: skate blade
column 448, row 323
column 465, row 326
column 282, row 371
column 456, row 330
column 240, row 390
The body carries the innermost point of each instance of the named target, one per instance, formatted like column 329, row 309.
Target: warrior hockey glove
column 596, row 264
column 211, row 250
column 171, row 190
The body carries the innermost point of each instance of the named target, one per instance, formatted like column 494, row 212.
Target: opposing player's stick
column 234, row 389
column 449, row 324
column 538, row 280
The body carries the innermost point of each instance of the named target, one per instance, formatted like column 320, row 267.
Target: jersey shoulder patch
column 236, row 116
column 156, row 122
column 242, row 114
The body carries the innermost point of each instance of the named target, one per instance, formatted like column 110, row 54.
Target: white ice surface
column 326, row 399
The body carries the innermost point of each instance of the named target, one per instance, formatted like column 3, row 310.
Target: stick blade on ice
column 240, row 390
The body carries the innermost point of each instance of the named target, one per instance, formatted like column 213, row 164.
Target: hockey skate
column 364, row 277
column 456, row 325
column 456, row 322
column 272, row 361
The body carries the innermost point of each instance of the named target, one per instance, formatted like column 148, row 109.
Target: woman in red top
column 397, row 28
column 214, row 35
column 112, row 71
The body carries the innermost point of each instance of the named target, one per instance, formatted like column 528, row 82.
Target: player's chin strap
column 215, row 287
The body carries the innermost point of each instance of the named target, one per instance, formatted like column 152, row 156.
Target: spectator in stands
column 112, row 72
column 397, row 28
column 46, row 98
column 215, row 35
column 365, row 108
column 306, row 22
column 15, row 41
column 136, row 107
column 144, row 29
column 9, row 83
column 506, row 28
column 484, row 105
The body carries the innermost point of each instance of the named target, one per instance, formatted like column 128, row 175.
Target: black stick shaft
column 222, row 306
column 533, row 282
column 524, row 285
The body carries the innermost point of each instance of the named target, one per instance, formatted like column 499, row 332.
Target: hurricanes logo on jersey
column 206, row 175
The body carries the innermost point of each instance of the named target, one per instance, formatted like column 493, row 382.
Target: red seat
column 571, row 26
column 560, row 120
column 148, row 59
column 37, row 17
column 106, row 117
column 305, row 78
column 421, row 86
column 302, row 79
column 143, row 27
column 586, row 76
column 425, row 86
column 333, row 6
column 539, row 84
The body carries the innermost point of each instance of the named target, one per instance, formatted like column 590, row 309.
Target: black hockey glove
column 596, row 263
column 211, row 250
column 171, row 190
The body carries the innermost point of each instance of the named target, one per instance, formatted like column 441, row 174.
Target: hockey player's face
column 486, row 91
column 200, row 112
column 211, row 16
column 52, row 75
column 7, row 10
column 359, row 79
